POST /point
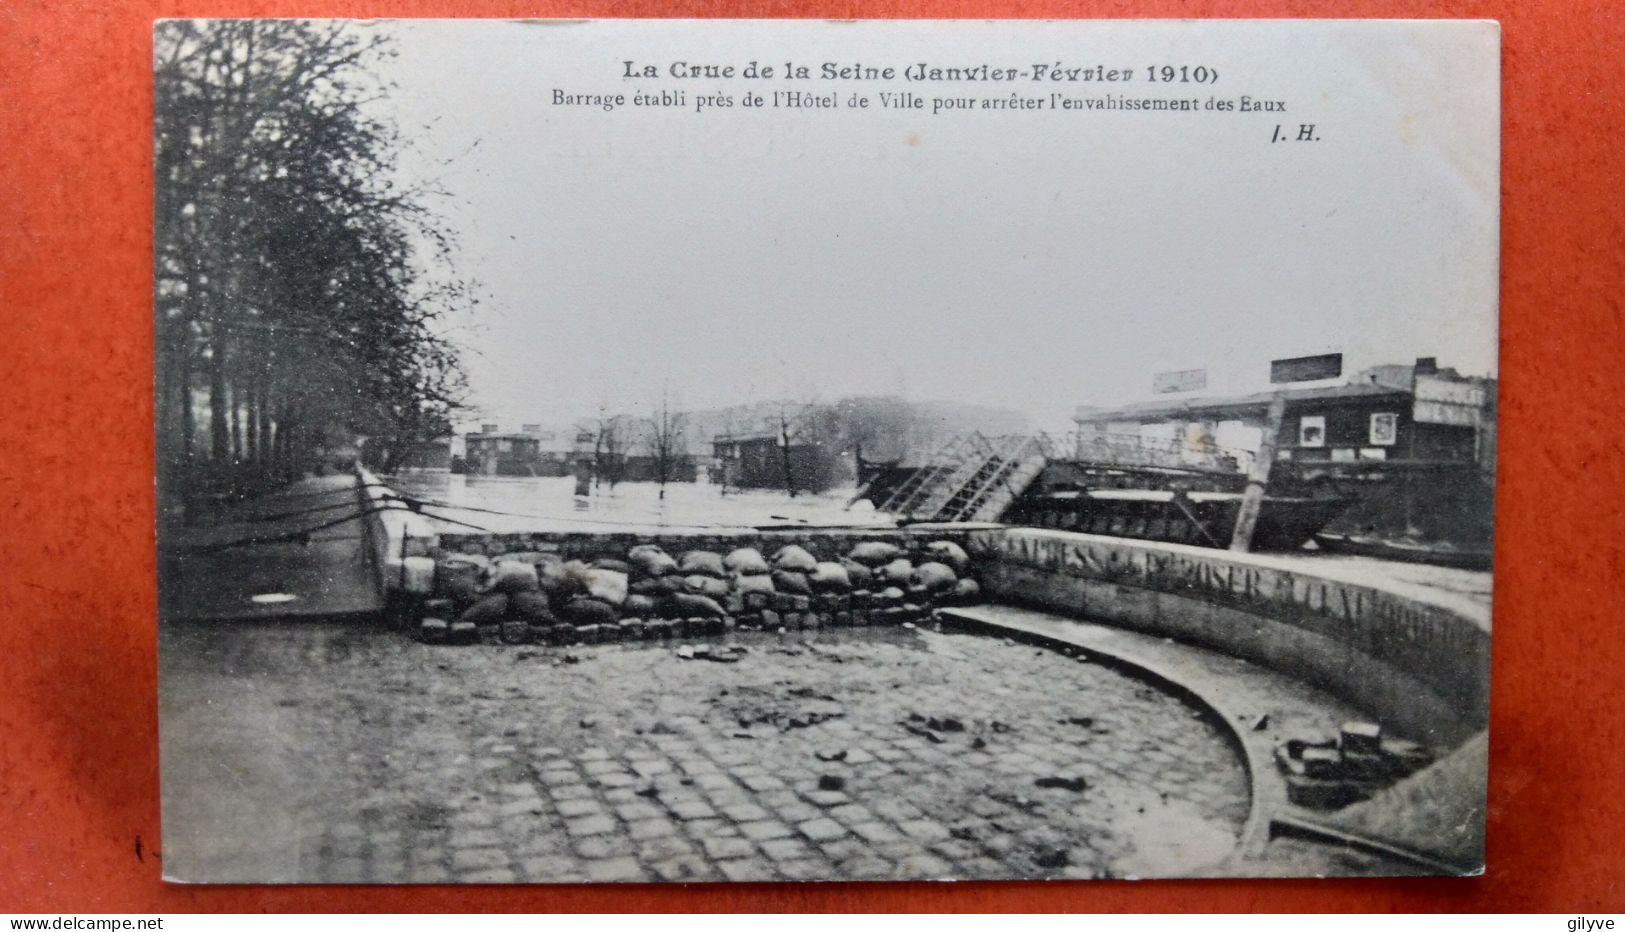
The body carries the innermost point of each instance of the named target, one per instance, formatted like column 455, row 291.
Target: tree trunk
column 219, row 428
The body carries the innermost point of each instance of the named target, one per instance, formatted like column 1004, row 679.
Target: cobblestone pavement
column 864, row 754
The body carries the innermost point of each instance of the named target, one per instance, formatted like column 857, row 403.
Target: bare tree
column 614, row 432
column 788, row 430
column 667, row 440
column 300, row 288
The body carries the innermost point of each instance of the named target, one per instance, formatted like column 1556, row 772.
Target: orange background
column 78, row 709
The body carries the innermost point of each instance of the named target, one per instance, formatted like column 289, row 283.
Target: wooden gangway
column 970, row 478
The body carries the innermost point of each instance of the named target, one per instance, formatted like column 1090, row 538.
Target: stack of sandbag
column 484, row 593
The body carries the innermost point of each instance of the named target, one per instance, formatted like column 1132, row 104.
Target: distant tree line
column 300, row 302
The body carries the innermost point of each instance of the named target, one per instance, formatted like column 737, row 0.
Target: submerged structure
column 1397, row 463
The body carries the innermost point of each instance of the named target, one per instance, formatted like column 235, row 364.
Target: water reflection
column 503, row 504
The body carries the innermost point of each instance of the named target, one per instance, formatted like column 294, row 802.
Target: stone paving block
column 480, row 838
column 923, row 867
column 589, row 825
column 615, row 779
column 559, row 777
column 690, row 868
column 954, row 849
column 615, row 870
column 651, row 828
column 764, row 829
column 851, row 814
column 596, row 847
column 576, row 808
column 660, row 849
column 551, row 869
column 826, row 798
column 569, row 791
column 745, row 870
column 822, row 829
column 924, row 830
column 867, row 867
column 690, row 809
column 468, row 859
column 876, row 832
column 522, row 808
column 803, row 870
column 744, row 812
column 639, row 809
column 649, row 768
column 761, row 782
column 786, row 849
column 895, row 809
column 720, row 848
column 714, row 780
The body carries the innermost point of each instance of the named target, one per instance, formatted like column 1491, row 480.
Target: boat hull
column 1201, row 520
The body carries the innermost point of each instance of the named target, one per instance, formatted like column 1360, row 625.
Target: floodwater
column 510, row 505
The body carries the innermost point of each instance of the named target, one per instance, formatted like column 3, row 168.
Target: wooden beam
column 1252, row 500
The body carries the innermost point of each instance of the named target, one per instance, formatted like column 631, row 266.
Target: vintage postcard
column 679, row 451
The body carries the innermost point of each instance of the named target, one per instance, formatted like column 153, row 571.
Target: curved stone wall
column 1418, row 663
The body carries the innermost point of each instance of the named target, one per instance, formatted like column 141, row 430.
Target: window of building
column 1312, row 431
column 1384, row 428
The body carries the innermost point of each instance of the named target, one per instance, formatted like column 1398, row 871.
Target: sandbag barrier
column 471, row 595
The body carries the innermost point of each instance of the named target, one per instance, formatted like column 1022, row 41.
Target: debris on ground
column 1075, row 784
column 830, row 781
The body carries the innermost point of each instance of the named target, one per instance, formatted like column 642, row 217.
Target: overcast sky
column 1029, row 260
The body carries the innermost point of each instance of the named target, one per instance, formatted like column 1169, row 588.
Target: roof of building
column 746, row 438
column 1232, row 405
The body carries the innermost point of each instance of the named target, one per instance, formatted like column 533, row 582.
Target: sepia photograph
column 636, row 451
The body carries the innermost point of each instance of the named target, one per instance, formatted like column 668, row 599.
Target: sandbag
column 610, row 563
column 607, row 586
column 830, row 577
column 490, row 610
column 708, row 586
column 531, row 608
column 639, row 606
column 746, row 561
column 701, row 563
column 457, row 579
column 583, row 612
column 967, row 591
column 533, row 557
column 895, row 573
column 859, row 574
column 417, row 575
column 874, row 553
column 934, row 577
column 743, row 584
column 657, row 586
column 946, row 551
column 561, row 581
column 651, row 561
column 511, row 576
column 794, row 559
column 793, row 583
column 475, row 557
column 688, row 605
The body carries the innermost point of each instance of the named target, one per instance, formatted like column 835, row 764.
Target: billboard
column 1306, row 368
column 1181, row 380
